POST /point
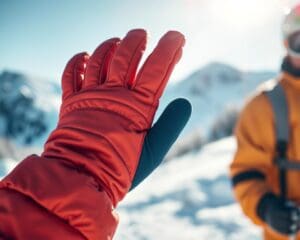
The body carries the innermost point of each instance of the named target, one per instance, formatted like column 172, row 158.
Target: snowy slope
column 212, row 89
column 6, row 165
column 48, row 99
column 188, row 198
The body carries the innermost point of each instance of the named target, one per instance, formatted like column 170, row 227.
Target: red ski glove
column 107, row 110
column 105, row 114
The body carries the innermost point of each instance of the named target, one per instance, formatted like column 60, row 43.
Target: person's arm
column 252, row 163
column 90, row 160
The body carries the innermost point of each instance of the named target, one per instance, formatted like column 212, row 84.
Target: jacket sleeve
column 48, row 198
column 251, row 170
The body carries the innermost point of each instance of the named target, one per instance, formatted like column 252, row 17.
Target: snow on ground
column 187, row 198
column 6, row 165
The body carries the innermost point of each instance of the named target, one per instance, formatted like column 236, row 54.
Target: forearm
column 248, row 192
column 71, row 195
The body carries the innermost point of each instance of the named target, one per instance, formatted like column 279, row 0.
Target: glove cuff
column 67, row 193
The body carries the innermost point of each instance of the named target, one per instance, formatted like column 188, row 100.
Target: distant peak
column 11, row 74
column 219, row 66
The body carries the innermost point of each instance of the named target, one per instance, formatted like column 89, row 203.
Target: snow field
column 187, row 198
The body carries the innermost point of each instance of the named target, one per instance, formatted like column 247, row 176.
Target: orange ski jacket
column 253, row 169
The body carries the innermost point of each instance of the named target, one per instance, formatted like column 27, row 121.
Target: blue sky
column 39, row 36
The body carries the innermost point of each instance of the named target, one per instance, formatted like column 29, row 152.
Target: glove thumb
column 161, row 137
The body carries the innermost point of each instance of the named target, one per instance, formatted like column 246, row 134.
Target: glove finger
column 161, row 137
column 97, row 67
column 126, row 58
column 73, row 74
column 153, row 76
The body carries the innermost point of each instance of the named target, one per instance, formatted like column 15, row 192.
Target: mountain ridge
column 211, row 90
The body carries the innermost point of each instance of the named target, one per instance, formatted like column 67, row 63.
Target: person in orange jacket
column 268, row 191
column 103, row 146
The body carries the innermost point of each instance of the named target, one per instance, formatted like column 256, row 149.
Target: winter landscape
column 231, row 47
column 189, row 196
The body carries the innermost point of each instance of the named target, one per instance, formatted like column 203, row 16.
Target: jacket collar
column 287, row 67
column 289, row 74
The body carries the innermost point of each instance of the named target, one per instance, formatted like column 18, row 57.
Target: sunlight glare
column 244, row 13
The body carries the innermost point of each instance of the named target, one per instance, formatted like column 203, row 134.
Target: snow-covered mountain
column 28, row 112
column 212, row 89
column 188, row 198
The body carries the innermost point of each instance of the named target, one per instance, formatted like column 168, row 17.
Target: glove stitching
column 98, row 90
column 100, row 109
column 68, row 109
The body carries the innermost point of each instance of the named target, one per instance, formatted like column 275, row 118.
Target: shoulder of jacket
column 259, row 92
column 268, row 85
column 258, row 101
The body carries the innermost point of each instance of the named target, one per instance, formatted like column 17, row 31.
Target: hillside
column 212, row 89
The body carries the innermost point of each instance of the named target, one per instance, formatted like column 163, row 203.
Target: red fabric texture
column 90, row 159
column 21, row 218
